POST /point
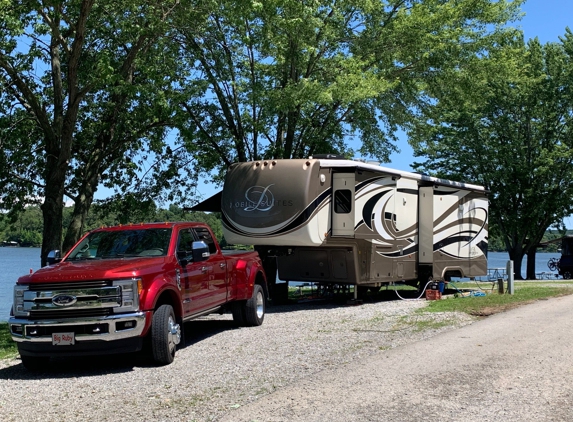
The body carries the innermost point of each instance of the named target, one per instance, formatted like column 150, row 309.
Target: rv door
column 343, row 204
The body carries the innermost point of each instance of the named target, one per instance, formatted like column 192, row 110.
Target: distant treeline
column 495, row 244
column 26, row 227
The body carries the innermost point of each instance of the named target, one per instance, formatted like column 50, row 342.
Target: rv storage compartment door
column 343, row 204
column 334, row 265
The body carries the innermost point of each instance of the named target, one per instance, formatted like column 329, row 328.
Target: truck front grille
column 72, row 300
column 70, row 313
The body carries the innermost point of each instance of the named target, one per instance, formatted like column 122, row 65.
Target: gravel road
column 378, row 361
column 220, row 369
column 515, row 366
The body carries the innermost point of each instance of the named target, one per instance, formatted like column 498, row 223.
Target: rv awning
column 212, row 204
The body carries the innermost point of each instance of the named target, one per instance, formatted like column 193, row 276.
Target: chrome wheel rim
column 173, row 334
column 260, row 305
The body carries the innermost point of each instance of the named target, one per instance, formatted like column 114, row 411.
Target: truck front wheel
column 165, row 335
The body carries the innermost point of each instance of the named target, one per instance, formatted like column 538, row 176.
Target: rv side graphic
column 348, row 222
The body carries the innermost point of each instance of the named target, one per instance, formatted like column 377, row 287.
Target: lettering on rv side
column 259, row 198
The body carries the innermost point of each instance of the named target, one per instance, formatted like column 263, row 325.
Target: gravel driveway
column 515, row 366
column 222, row 368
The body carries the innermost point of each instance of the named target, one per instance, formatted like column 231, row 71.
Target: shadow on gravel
column 88, row 366
column 195, row 331
column 72, row 367
column 336, row 301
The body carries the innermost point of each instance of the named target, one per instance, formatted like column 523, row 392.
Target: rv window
column 343, row 201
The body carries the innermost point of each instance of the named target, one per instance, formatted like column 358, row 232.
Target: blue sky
column 544, row 19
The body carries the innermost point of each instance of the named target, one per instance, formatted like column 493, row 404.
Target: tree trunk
column 52, row 212
column 75, row 230
column 530, row 270
column 83, row 202
column 517, row 257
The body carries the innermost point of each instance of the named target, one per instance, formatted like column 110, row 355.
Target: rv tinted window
column 343, row 201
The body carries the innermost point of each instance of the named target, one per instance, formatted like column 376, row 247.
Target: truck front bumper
column 112, row 334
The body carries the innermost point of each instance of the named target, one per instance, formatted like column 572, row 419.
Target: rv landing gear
column 367, row 292
column 355, row 300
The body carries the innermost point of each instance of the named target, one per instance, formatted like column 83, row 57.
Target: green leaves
column 144, row 97
column 289, row 78
column 504, row 122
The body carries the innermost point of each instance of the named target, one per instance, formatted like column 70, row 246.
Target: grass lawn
column 493, row 302
column 462, row 301
column 7, row 346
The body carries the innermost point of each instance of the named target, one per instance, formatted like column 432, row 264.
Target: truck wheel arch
column 169, row 297
column 260, row 279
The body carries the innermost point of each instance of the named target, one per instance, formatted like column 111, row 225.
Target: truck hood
column 103, row 269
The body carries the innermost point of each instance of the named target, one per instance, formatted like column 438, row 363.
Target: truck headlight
column 19, row 292
column 129, row 295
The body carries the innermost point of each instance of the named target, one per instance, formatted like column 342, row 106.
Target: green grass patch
column 493, row 302
column 424, row 325
column 7, row 345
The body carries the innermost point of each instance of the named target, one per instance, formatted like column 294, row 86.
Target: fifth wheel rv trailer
column 347, row 222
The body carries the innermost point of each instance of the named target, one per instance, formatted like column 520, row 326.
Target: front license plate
column 63, row 339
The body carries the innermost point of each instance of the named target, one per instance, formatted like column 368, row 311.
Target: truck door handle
column 222, row 265
column 204, row 269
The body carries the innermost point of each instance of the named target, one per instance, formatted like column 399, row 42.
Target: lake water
column 15, row 262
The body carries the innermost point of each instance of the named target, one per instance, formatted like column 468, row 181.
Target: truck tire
column 238, row 309
column 35, row 363
column 165, row 335
column 255, row 307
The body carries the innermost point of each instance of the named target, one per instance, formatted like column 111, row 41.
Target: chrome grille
column 42, row 300
column 71, row 313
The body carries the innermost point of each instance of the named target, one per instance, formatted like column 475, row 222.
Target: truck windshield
column 122, row 244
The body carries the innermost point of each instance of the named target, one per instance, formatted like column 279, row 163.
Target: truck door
column 343, row 204
column 194, row 275
column 217, row 269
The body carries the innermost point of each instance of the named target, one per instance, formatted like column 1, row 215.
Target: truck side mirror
column 200, row 251
column 54, row 257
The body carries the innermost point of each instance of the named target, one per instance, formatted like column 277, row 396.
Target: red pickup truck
column 122, row 287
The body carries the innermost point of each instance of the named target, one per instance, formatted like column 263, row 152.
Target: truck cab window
column 185, row 245
column 203, row 234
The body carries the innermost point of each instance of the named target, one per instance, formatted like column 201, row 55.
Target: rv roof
column 358, row 164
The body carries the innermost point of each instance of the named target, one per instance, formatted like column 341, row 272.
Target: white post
column 509, row 271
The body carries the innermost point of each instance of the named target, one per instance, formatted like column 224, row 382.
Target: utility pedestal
column 509, row 271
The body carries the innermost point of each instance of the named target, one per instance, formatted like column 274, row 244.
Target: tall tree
column 292, row 78
column 89, row 83
column 506, row 122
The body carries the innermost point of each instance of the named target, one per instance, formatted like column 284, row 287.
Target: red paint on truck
column 121, row 285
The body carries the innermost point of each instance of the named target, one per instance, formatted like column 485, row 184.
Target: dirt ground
column 512, row 366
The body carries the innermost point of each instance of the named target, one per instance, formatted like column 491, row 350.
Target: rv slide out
column 348, row 222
